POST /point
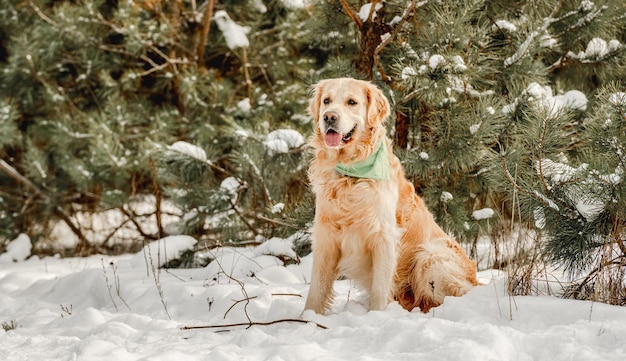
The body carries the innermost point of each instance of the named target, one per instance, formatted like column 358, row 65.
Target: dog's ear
column 314, row 103
column 378, row 106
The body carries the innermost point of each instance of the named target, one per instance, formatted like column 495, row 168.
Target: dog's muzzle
column 333, row 137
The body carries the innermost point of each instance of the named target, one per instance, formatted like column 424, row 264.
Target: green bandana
column 376, row 166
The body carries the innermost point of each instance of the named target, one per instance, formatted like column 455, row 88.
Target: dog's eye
column 351, row 102
column 326, row 100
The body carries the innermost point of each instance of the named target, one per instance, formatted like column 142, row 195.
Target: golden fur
column 377, row 232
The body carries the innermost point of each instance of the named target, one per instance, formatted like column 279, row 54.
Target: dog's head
column 348, row 113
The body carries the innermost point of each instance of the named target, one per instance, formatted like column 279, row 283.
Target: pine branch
column 517, row 187
column 523, row 49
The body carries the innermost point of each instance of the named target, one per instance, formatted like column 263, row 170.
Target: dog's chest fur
column 359, row 212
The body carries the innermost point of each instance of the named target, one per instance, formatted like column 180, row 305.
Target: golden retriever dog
column 369, row 224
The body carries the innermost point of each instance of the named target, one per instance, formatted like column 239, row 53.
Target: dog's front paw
column 378, row 303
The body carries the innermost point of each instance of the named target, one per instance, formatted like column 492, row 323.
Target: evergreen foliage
column 494, row 109
column 94, row 93
column 516, row 107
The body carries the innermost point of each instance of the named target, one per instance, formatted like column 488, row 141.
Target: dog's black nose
column 330, row 118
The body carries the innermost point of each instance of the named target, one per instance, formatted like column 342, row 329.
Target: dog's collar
column 376, row 166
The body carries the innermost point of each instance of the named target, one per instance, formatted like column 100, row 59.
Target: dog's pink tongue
column 332, row 139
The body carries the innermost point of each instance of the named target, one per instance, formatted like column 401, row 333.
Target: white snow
column 446, row 197
column 188, row 149
column 231, row 186
column 547, row 41
column 540, row 218
column 244, row 105
column 474, row 128
column 461, row 86
column 282, row 140
column 364, row 12
column 559, row 172
column 105, row 308
column 294, row 4
column 484, row 213
column 435, row 61
column 234, row 34
column 159, row 253
column 618, row 99
column 597, row 49
column 242, row 133
column 521, row 51
column 459, row 63
column 408, row 73
column 504, row 25
column 17, row 250
column 259, row 6
column 278, row 207
column 553, row 105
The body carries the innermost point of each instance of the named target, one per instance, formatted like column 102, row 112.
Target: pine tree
column 95, row 94
column 504, row 114
column 492, row 106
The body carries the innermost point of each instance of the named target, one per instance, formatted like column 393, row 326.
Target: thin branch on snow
column 156, row 276
column 250, row 324
column 246, row 298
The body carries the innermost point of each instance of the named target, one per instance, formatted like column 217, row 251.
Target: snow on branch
column 586, row 6
column 234, row 34
column 597, row 50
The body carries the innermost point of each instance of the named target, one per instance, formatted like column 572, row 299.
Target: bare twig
column 83, row 244
column 246, row 298
column 275, row 221
column 409, row 10
column 287, row 294
column 517, row 186
column 157, row 280
column 132, row 219
column 351, row 13
column 204, row 34
column 116, row 278
column 544, row 131
column 106, row 280
column 40, row 13
column 157, row 195
column 250, row 324
column 246, row 73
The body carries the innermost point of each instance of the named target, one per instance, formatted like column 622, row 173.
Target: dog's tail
column 439, row 268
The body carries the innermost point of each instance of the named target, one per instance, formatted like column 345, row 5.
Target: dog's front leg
column 325, row 260
column 383, row 268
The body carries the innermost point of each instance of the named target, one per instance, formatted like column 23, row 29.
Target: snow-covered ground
column 116, row 308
